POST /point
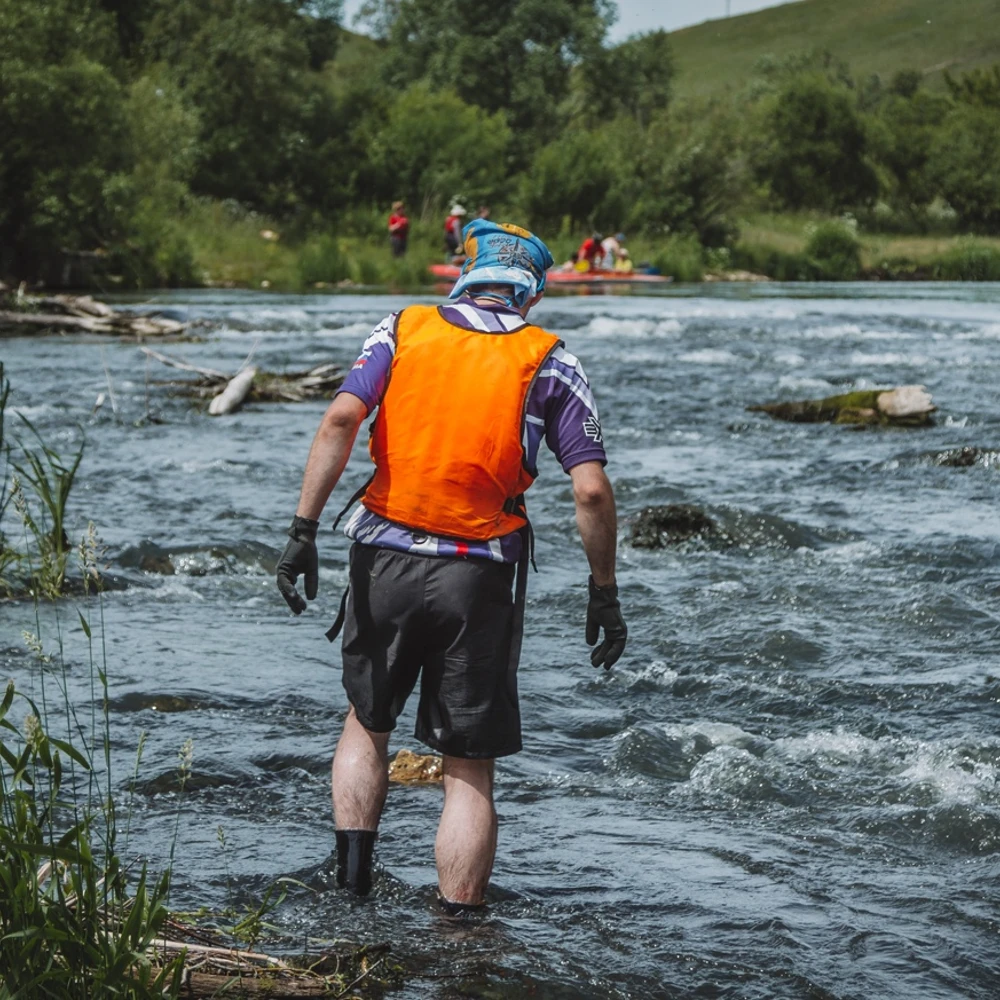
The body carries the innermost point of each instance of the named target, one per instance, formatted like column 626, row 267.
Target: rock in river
column 658, row 527
column 905, row 406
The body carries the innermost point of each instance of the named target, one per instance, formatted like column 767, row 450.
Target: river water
column 788, row 788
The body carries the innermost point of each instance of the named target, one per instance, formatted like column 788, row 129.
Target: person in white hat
column 453, row 230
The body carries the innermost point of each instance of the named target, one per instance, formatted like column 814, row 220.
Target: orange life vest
column 448, row 439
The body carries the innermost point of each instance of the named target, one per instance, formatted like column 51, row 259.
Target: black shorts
column 448, row 621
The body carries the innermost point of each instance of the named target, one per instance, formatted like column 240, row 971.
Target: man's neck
column 490, row 300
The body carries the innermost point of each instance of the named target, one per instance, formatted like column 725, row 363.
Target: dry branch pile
column 212, row 970
column 250, row 385
column 81, row 314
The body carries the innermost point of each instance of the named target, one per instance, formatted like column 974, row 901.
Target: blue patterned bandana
column 502, row 254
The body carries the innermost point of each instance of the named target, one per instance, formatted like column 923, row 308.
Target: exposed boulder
column 905, row 406
column 658, row 527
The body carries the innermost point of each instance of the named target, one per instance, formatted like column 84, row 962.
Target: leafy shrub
column 781, row 265
column 969, row 262
column 320, row 260
column 681, row 258
column 814, row 148
column 836, row 251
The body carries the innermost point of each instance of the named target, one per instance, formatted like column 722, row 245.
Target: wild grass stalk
column 9, row 556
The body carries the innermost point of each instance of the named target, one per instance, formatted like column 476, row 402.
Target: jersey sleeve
column 369, row 376
column 562, row 409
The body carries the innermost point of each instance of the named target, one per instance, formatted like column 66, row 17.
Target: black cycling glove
column 300, row 557
column 604, row 612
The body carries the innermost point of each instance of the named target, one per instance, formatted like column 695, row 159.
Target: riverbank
column 226, row 246
column 252, row 252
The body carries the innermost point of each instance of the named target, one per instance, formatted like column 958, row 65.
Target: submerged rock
column 905, row 406
column 409, row 768
column 965, row 458
column 658, row 527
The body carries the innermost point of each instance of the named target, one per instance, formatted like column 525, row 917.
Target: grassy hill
column 872, row 36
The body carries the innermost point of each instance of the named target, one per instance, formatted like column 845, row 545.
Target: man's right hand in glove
column 299, row 558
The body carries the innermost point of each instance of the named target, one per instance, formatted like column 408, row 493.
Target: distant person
column 484, row 212
column 453, row 230
column 399, row 229
column 609, row 250
column 590, row 254
column 623, row 261
column 466, row 393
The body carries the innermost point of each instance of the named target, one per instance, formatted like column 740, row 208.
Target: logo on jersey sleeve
column 592, row 428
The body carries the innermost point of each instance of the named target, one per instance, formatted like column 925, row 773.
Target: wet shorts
column 448, row 622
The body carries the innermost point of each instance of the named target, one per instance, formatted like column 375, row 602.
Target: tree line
column 115, row 114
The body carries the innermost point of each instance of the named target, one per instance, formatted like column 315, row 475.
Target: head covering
column 503, row 254
column 457, row 209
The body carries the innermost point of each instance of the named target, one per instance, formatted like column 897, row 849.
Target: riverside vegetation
column 258, row 142
column 79, row 918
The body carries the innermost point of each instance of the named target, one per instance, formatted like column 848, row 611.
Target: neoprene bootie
column 354, row 860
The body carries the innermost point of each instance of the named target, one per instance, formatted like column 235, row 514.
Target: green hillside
column 872, row 36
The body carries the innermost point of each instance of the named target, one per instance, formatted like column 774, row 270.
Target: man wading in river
column 465, row 394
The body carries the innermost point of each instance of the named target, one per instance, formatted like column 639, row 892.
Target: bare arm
column 329, row 453
column 596, row 519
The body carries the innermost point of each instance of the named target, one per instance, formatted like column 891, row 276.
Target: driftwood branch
column 165, row 359
column 232, row 397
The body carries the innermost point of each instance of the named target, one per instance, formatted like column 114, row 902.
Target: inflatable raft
column 450, row 273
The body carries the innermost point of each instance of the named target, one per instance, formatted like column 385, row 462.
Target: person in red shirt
column 591, row 251
column 399, row 229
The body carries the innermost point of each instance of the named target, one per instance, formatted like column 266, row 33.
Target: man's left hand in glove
column 604, row 612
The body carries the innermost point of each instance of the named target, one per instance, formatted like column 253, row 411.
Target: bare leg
column 467, row 834
column 360, row 776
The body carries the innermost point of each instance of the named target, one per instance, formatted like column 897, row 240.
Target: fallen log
column 905, row 406
column 83, row 314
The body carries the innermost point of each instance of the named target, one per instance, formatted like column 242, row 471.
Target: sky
column 645, row 15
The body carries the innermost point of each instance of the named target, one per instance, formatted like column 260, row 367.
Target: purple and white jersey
column 560, row 409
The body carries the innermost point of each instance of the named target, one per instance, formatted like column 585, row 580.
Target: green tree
column 813, row 150
column 902, row 135
column 633, row 78
column 267, row 123
column 433, row 146
column 981, row 87
column 688, row 177
column 63, row 132
column 572, row 178
column 502, row 55
column 963, row 163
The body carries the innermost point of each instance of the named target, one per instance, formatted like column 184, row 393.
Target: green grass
column 871, row 36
